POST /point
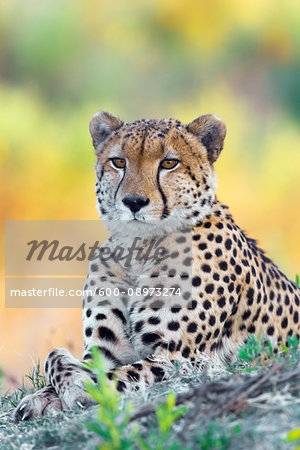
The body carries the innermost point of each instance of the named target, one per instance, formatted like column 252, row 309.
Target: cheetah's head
column 155, row 175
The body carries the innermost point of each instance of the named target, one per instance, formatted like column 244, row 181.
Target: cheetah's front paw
column 37, row 405
column 72, row 391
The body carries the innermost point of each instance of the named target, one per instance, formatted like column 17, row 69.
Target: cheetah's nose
column 135, row 203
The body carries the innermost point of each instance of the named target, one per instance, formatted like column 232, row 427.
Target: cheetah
column 155, row 182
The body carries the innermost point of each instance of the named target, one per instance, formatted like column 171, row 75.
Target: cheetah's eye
column 119, row 163
column 169, row 163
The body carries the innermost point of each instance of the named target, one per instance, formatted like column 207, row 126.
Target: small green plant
column 292, row 347
column 166, row 415
column 294, row 437
column 113, row 423
column 217, row 437
column 255, row 349
column 297, row 280
column 257, row 352
column 15, row 398
column 37, row 380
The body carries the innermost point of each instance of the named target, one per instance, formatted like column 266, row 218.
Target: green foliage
column 166, row 414
column 255, row 349
column 258, row 352
column 37, row 380
column 292, row 348
column 15, row 398
column 113, row 423
column 217, row 437
column 297, row 280
column 294, row 437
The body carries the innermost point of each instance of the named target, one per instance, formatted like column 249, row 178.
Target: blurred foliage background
column 61, row 61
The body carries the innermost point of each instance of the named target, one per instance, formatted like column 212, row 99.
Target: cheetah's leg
column 38, row 404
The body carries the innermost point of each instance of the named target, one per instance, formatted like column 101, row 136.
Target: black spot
column 198, row 338
column 223, row 316
column 186, row 352
column 100, row 316
column 158, row 372
column 107, row 334
column 196, row 281
column 154, row 320
column 228, row 244
column 179, row 344
column 250, row 295
column 206, row 304
column 121, row 386
column 223, row 265
column 231, row 287
column 192, row 327
column 265, row 318
column 119, row 314
column 132, row 375
column 216, row 333
column 187, row 261
column 251, row 329
column 246, row 314
column 137, row 366
column 212, row 320
column 296, row 317
column 175, row 309
column 192, row 304
column 221, row 302
column 171, row 346
column 173, row 326
column 149, row 338
column 206, row 268
column 209, row 288
column 238, row 269
column 139, row 326
column 88, row 332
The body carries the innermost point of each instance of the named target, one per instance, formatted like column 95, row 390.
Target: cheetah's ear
column 102, row 124
column 211, row 132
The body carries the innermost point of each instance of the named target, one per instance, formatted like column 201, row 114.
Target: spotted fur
column 229, row 288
